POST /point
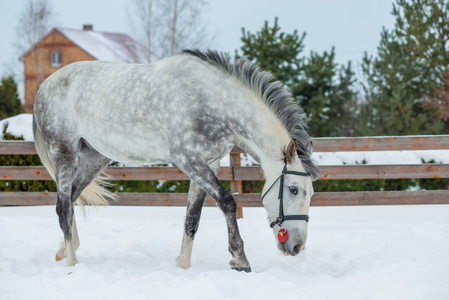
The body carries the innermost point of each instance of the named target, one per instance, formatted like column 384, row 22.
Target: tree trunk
column 148, row 29
column 173, row 31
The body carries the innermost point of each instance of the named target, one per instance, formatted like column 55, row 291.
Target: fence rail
column 374, row 143
column 236, row 174
column 247, row 173
column 245, row 200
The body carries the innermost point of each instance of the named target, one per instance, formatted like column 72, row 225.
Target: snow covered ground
column 369, row 252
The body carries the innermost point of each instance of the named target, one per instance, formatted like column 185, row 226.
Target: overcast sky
column 352, row 26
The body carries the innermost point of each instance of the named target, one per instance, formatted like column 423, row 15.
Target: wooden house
column 61, row 47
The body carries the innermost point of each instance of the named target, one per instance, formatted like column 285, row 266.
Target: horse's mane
column 273, row 93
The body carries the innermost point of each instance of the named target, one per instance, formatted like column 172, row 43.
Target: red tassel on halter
column 282, row 235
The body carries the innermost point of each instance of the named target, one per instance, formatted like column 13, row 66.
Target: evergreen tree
column 274, row 51
column 314, row 88
column 411, row 66
column 345, row 115
column 323, row 88
column 325, row 91
column 440, row 100
column 10, row 104
column 22, row 160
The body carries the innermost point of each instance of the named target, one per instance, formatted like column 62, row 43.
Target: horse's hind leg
column 89, row 165
column 63, row 158
column 62, row 252
column 194, row 207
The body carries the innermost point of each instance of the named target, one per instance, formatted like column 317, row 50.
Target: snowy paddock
column 382, row 252
column 371, row 252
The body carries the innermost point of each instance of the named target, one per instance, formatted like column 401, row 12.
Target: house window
column 56, row 58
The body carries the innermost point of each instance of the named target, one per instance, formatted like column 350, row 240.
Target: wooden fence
column 236, row 174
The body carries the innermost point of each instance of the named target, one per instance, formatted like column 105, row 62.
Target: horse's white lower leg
column 71, row 256
column 63, row 251
column 75, row 237
column 184, row 258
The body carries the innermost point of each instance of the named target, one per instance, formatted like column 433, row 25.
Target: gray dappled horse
column 190, row 110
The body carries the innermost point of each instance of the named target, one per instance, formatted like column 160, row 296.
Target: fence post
column 236, row 186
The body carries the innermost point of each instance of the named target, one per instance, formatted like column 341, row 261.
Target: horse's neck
column 266, row 137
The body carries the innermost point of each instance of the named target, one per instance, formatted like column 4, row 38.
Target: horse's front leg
column 194, row 206
column 203, row 175
column 229, row 208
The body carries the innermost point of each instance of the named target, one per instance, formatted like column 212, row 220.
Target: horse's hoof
column 238, row 267
column 241, row 268
column 180, row 263
column 57, row 258
column 71, row 263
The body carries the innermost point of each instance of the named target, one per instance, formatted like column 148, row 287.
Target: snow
column 20, row 125
column 368, row 157
column 380, row 157
column 370, row 252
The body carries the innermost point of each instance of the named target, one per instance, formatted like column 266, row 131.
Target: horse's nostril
column 297, row 248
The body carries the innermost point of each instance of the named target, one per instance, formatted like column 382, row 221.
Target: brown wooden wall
column 41, row 53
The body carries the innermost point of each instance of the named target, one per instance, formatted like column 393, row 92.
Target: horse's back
column 138, row 109
column 104, row 103
column 119, row 87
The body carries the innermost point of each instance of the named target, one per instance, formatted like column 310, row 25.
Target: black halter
column 279, row 220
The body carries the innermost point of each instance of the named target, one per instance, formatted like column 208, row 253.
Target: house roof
column 107, row 46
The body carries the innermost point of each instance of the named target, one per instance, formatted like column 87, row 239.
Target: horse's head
column 286, row 197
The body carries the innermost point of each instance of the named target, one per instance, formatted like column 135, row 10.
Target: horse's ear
column 291, row 151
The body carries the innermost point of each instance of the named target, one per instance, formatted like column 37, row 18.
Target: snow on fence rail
column 236, row 174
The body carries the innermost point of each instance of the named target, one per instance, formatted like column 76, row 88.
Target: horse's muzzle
column 292, row 246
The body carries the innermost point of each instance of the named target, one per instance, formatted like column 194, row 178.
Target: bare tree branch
column 35, row 20
column 143, row 23
column 169, row 25
column 173, row 30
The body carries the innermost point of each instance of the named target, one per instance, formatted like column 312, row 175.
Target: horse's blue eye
column 293, row 190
